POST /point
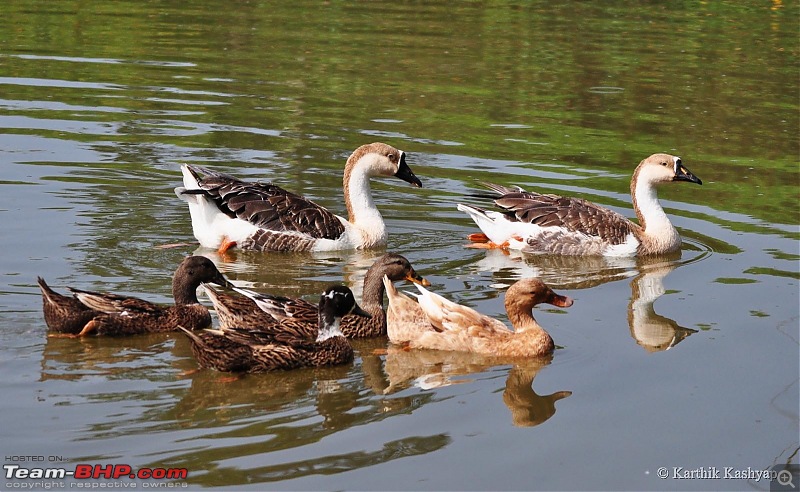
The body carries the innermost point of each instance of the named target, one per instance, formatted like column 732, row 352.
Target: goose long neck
column 361, row 209
column 651, row 215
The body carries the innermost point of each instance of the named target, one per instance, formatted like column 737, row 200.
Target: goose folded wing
column 573, row 214
column 267, row 206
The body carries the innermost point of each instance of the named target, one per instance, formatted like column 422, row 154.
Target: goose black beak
column 405, row 173
column 683, row 174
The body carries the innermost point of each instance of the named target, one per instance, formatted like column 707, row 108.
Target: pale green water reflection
column 688, row 361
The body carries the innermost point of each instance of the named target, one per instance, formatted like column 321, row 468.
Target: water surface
column 684, row 361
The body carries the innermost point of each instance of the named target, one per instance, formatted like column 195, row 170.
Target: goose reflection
column 427, row 369
column 650, row 330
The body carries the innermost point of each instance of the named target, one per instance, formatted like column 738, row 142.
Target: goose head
column 380, row 159
column 664, row 168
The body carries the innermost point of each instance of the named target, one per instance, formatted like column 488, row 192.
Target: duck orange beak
column 560, row 301
column 415, row 278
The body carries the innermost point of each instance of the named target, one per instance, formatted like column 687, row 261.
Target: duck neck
column 184, row 290
column 373, row 290
column 328, row 327
column 361, row 209
column 521, row 317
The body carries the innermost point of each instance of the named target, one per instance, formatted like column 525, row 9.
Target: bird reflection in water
column 429, row 369
column 651, row 331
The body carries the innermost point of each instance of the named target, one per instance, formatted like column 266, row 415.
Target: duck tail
column 192, row 336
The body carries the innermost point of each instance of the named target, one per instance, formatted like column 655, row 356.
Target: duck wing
column 116, row 304
column 287, row 308
column 265, row 205
column 449, row 316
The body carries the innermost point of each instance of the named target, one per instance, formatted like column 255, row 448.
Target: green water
column 688, row 361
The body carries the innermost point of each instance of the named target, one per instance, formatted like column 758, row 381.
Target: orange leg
column 225, row 245
column 90, row 327
column 478, row 237
column 489, row 245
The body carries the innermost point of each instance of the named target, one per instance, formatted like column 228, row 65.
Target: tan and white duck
column 437, row 323
column 250, row 351
column 256, row 310
column 552, row 224
column 104, row 313
column 228, row 212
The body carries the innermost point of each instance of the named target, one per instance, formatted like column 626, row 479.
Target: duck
column 64, row 314
column 88, row 312
column 451, row 326
column 552, row 224
column 227, row 212
column 256, row 310
column 251, row 351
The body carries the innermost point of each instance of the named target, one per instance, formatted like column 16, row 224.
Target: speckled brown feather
column 234, row 311
column 119, row 315
column 63, row 314
column 282, row 345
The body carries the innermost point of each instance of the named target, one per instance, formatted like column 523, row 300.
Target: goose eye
column 391, row 157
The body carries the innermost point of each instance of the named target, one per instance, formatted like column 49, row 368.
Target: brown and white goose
column 228, row 212
column 439, row 324
column 552, row 224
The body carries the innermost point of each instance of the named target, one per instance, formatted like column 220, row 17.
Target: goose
column 552, row 224
column 90, row 312
column 256, row 310
column 228, row 212
column 249, row 351
column 450, row 326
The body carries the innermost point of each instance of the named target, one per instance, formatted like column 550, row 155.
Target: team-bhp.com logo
column 88, row 472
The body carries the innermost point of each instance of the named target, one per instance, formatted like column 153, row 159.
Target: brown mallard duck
column 256, row 310
column 284, row 346
column 64, row 314
column 437, row 323
column 90, row 312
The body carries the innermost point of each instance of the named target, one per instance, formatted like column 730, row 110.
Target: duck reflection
column 429, row 369
column 651, row 331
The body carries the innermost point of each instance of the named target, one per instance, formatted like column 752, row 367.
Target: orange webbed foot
column 225, row 245
column 478, row 237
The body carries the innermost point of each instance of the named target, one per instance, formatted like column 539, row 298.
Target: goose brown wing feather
column 266, row 205
column 573, row 214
